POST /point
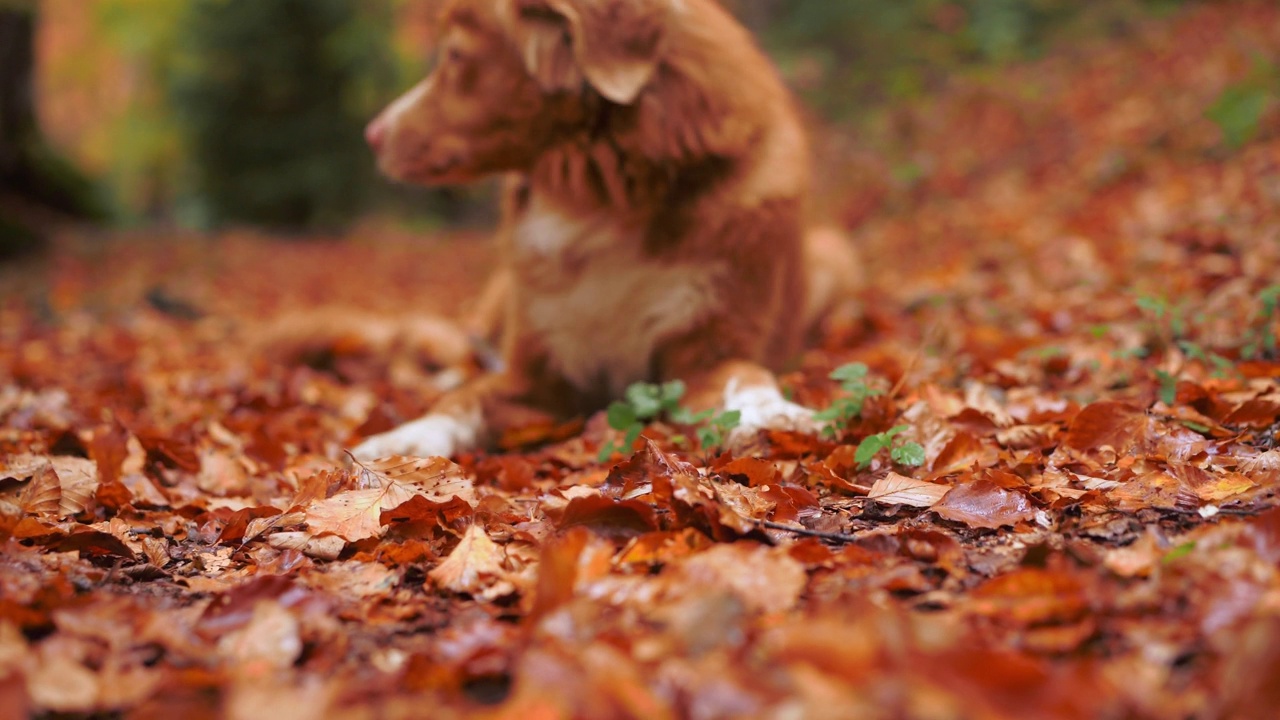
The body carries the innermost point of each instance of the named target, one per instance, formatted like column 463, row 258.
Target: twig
column 833, row 537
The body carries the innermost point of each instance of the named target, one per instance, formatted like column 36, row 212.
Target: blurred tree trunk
column 32, row 178
column 17, row 109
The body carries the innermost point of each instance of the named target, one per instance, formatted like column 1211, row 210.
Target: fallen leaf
column 773, row 584
column 475, row 567
column 436, row 478
column 42, row 494
column 324, row 547
column 1106, row 424
column 983, row 504
column 895, row 489
column 622, row 518
column 268, row 642
column 357, row 514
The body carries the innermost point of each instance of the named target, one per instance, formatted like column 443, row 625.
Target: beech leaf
column 474, row 566
column 895, row 489
column 436, row 478
column 984, row 504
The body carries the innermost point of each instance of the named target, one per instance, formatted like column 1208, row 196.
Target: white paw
column 764, row 408
column 428, row 436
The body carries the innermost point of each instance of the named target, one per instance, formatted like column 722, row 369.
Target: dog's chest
column 596, row 303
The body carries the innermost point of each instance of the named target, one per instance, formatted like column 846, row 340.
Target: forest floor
column 1070, row 309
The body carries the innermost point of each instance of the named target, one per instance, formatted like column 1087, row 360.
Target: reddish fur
column 705, row 166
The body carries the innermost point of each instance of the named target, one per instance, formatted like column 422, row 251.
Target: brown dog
column 654, row 215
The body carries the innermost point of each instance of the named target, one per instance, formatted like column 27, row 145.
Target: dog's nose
column 375, row 133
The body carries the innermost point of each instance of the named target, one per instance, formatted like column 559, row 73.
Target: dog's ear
column 614, row 44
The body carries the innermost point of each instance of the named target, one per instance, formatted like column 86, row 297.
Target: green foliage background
column 271, row 97
column 849, row 56
column 253, row 108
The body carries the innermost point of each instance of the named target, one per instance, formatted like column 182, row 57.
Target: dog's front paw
column 429, row 436
column 764, row 408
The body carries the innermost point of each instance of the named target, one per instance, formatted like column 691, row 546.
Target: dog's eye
column 453, row 56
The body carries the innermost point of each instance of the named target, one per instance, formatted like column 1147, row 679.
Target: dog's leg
column 751, row 390
column 464, row 419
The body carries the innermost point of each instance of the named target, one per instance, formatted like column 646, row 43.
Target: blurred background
column 208, row 114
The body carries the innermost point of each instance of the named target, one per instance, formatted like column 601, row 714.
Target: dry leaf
column 475, row 566
column 324, row 547
column 895, row 489
column 436, row 478
column 357, row 514
column 78, row 478
column 772, row 584
column 42, row 494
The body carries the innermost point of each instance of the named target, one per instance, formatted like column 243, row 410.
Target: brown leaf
column 356, row 514
column 636, row 474
column 419, row 510
column 622, row 518
column 1032, row 596
column 658, row 548
column 94, row 544
column 437, row 478
column 325, row 547
column 42, row 494
column 79, row 480
column 773, row 584
column 963, row 452
column 270, row 641
column 233, row 609
column 1256, row 413
column 895, row 489
column 475, row 566
column 1106, row 424
column 983, row 504
column 572, row 557
column 757, row 472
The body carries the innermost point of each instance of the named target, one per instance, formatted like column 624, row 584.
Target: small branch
column 833, row 537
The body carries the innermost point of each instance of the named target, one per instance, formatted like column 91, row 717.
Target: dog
column 653, row 220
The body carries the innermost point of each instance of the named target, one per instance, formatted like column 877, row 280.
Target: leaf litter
column 1074, row 327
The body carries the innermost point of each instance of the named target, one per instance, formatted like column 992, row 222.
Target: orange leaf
column 436, row 477
column 1112, row 424
column 895, row 489
column 43, row 493
column 78, row 479
column 474, row 566
column 983, row 504
column 356, row 514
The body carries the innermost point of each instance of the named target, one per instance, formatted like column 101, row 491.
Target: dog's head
column 512, row 78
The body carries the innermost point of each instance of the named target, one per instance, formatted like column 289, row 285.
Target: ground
column 1069, row 303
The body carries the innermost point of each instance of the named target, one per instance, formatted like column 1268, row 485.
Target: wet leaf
column 983, row 504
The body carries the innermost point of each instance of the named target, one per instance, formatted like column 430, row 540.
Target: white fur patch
column 432, row 435
column 597, row 304
column 764, row 408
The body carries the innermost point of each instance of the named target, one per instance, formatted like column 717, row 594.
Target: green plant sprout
column 1260, row 337
column 908, row 453
column 853, row 382
column 643, row 403
column 1172, row 328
